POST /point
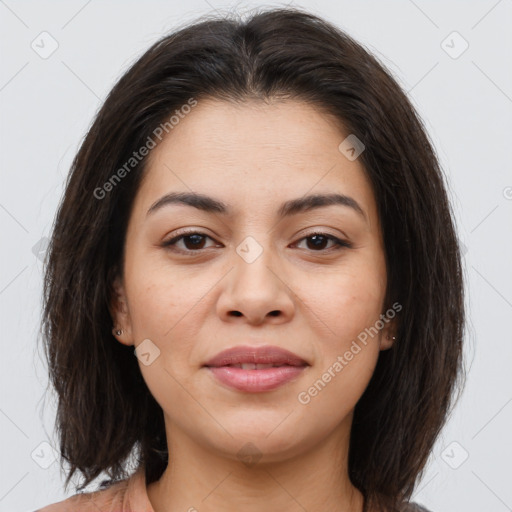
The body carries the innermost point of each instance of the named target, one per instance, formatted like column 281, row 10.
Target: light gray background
column 466, row 102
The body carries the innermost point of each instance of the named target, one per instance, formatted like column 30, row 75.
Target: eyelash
column 339, row 244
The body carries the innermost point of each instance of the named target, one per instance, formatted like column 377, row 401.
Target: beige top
column 128, row 495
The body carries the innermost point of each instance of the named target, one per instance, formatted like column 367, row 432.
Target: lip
column 267, row 354
column 289, row 366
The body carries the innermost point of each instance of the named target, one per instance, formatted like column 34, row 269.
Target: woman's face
column 256, row 276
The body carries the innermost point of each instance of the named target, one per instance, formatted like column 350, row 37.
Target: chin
column 267, row 441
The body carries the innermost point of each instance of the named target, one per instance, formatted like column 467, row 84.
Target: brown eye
column 317, row 242
column 192, row 241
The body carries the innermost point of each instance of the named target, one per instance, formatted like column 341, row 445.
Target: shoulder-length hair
column 106, row 413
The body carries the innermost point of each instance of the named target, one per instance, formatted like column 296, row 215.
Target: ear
column 388, row 335
column 119, row 312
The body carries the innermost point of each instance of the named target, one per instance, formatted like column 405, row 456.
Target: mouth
column 256, row 369
column 256, row 358
column 253, row 366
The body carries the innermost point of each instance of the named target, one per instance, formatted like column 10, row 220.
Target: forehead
column 224, row 128
column 254, row 154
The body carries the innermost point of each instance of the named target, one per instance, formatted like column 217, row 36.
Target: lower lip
column 256, row 381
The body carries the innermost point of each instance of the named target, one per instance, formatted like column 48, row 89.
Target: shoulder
column 111, row 498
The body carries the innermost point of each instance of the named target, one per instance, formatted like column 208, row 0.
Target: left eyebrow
column 290, row 207
column 307, row 203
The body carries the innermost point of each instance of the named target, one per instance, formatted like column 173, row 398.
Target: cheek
column 163, row 312
column 155, row 308
column 335, row 390
column 349, row 305
column 347, row 301
column 158, row 295
column 168, row 308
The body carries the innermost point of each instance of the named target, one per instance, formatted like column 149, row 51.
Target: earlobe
column 119, row 312
column 388, row 337
column 387, row 342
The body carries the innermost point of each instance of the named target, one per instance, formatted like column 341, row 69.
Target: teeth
column 253, row 366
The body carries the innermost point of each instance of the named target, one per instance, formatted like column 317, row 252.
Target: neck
column 198, row 479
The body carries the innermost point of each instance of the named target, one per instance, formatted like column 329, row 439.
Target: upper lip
column 266, row 354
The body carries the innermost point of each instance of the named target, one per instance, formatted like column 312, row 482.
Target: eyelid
column 339, row 243
column 183, row 233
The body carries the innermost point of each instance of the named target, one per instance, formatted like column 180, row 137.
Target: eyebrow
column 292, row 207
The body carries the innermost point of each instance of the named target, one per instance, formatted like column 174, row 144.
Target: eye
column 318, row 241
column 193, row 240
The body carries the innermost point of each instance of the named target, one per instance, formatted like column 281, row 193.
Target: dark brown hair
column 106, row 413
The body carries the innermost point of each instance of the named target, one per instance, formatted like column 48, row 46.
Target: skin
column 253, row 157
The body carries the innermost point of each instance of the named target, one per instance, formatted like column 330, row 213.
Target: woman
column 258, row 215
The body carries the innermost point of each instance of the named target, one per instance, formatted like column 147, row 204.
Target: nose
column 255, row 290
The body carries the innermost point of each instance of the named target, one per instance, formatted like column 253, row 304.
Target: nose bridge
column 255, row 287
column 253, row 261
